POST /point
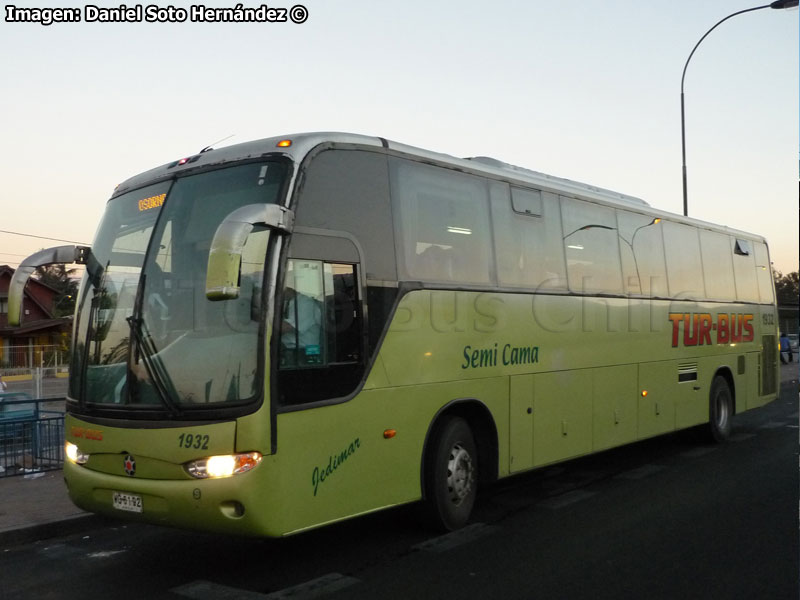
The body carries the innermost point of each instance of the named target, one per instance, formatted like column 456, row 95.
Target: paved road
column 666, row 518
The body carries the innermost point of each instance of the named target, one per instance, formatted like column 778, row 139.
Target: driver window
column 321, row 332
column 301, row 324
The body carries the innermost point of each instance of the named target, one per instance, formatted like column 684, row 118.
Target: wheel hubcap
column 460, row 474
column 722, row 411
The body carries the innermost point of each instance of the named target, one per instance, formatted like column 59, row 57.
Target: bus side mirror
column 63, row 255
column 225, row 254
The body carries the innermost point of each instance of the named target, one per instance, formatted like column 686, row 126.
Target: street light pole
column 778, row 4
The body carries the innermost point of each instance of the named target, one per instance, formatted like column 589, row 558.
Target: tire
column 720, row 410
column 451, row 475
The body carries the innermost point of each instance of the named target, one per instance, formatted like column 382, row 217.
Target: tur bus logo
column 728, row 328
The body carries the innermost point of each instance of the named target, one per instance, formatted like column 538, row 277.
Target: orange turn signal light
column 644, row 393
column 284, row 143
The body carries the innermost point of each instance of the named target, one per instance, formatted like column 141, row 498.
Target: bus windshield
column 146, row 337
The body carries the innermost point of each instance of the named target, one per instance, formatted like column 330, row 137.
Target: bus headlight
column 223, row 466
column 74, row 454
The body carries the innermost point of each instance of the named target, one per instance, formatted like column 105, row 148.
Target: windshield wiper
column 165, row 389
column 146, row 350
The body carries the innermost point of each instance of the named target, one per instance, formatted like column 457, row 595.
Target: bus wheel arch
column 721, row 405
column 462, row 437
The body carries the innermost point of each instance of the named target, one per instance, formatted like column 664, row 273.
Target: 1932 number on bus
column 190, row 440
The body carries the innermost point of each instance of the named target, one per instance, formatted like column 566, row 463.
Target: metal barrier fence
column 38, row 382
column 31, row 435
column 32, row 356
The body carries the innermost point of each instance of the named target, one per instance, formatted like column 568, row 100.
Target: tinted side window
column 527, row 244
column 684, row 266
column 766, row 286
column 642, row 251
column 348, row 190
column 591, row 246
column 442, row 218
column 717, row 265
column 744, row 269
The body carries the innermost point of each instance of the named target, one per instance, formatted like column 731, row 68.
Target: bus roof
column 303, row 143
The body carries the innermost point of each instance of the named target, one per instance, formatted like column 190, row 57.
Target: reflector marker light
column 389, row 434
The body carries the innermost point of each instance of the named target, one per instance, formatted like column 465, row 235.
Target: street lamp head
column 776, row 4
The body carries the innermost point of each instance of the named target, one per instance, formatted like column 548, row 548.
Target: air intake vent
column 687, row 372
column 769, row 359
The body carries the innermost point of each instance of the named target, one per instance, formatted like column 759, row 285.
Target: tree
column 787, row 288
column 63, row 281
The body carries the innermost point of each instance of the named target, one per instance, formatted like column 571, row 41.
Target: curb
column 10, row 378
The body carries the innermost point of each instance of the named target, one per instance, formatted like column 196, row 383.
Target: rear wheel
column 451, row 475
column 720, row 409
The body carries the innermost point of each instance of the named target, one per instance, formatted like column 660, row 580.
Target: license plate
column 129, row 502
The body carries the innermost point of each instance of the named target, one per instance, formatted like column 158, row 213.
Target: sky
column 586, row 90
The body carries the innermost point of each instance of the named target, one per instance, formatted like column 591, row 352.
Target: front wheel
column 451, row 475
column 720, row 410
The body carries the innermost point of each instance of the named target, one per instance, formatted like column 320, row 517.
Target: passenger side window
column 717, row 265
column 528, row 241
column 443, row 223
column 591, row 245
column 744, row 270
column 766, row 286
column 642, row 250
column 684, row 265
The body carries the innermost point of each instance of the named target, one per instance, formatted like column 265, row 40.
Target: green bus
column 282, row 334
